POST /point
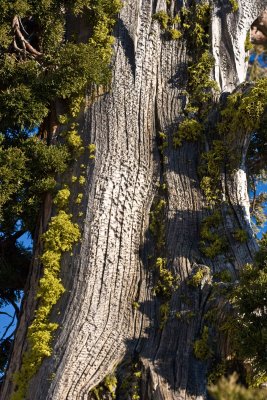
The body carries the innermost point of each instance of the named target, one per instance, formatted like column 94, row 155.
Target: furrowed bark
column 111, row 268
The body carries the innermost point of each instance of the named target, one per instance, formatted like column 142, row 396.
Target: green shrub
column 229, row 389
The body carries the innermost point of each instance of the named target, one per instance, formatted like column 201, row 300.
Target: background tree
column 156, row 184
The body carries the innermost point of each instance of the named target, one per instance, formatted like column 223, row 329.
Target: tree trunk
column 100, row 329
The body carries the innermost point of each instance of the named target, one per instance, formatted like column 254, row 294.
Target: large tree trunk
column 111, row 269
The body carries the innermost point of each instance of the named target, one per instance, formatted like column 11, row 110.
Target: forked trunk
column 109, row 316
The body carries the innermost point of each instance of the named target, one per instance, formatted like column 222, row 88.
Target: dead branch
column 19, row 32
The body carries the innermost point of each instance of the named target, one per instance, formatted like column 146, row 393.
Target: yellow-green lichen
column 200, row 275
column 74, row 140
column 167, row 24
column 211, row 169
column 79, row 198
column 201, row 22
column 166, row 281
column 164, row 141
column 201, row 86
column 189, row 129
column 62, row 198
column 92, row 150
column 60, row 237
column 108, row 386
column 156, row 225
column 212, row 243
column 244, row 112
column 82, row 180
column 235, row 5
column 135, row 305
column 164, row 312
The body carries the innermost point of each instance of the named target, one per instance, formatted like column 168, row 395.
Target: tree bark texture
column 100, row 330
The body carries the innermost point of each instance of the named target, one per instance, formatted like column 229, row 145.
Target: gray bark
column 111, row 267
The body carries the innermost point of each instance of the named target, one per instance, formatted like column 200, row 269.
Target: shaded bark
column 111, row 268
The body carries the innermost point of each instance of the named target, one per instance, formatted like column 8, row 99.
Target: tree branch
column 17, row 26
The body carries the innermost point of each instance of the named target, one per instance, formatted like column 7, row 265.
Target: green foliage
column 241, row 235
column 217, row 372
column 163, row 139
column 66, row 66
column 175, row 34
column 12, row 173
column 250, row 307
column 20, row 107
column 202, row 348
column 242, row 113
column 62, row 233
column 223, row 276
column 189, row 129
column 27, row 171
column 229, row 389
column 246, row 325
column 258, row 208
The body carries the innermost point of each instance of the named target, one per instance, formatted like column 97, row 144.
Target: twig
column 8, row 327
column 25, row 44
column 5, row 313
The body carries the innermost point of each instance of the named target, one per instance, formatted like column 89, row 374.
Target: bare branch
column 22, row 27
column 8, row 327
column 5, row 313
column 16, row 25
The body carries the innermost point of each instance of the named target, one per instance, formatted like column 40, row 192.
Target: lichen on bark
column 111, row 271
